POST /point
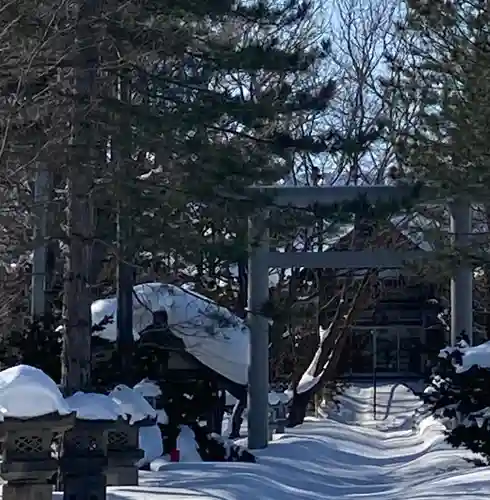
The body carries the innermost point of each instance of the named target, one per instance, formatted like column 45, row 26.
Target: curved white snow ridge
column 326, row 459
column 211, row 333
column 395, row 406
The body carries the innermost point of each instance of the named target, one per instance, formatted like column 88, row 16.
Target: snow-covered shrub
column 459, row 395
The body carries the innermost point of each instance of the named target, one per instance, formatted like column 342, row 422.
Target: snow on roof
column 27, row 392
column 92, row 406
column 412, row 226
column 211, row 333
column 132, row 404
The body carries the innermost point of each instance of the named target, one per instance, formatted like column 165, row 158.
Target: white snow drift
column 326, row 459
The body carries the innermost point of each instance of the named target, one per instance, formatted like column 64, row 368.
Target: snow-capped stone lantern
column 83, row 451
column 124, row 451
column 123, row 454
column 32, row 412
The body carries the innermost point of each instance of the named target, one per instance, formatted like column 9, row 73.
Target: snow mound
column 148, row 389
column 92, row 406
column 278, row 397
column 27, row 392
column 395, row 406
column 132, row 404
column 478, row 355
column 211, row 333
column 150, row 441
column 186, row 443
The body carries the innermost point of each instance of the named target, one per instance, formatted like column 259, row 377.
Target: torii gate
column 261, row 259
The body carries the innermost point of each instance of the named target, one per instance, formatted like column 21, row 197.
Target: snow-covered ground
column 349, row 455
column 345, row 454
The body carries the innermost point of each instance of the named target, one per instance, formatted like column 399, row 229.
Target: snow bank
column 132, row 404
column 28, row 392
column 211, row 333
column 324, row 459
column 91, row 406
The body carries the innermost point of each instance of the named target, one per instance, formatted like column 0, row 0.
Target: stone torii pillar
column 258, row 295
column 462, row 277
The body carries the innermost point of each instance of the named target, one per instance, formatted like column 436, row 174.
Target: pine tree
column 443, row 83
column 204, row 141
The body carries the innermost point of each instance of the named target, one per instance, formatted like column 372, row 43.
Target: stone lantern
column 83, row 460
column 83, row 451
column 278, row 403
column 123, row 440
column 124, row 452
column 33, row 415
column 28, row 466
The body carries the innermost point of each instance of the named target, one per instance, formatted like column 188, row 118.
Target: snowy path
column 331, row 459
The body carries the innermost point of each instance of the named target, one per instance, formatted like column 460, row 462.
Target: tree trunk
column 76, row 354
column 241, row 306
column 42, row 195
column 125, row 271
column 330, row 349
column 237, row 417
